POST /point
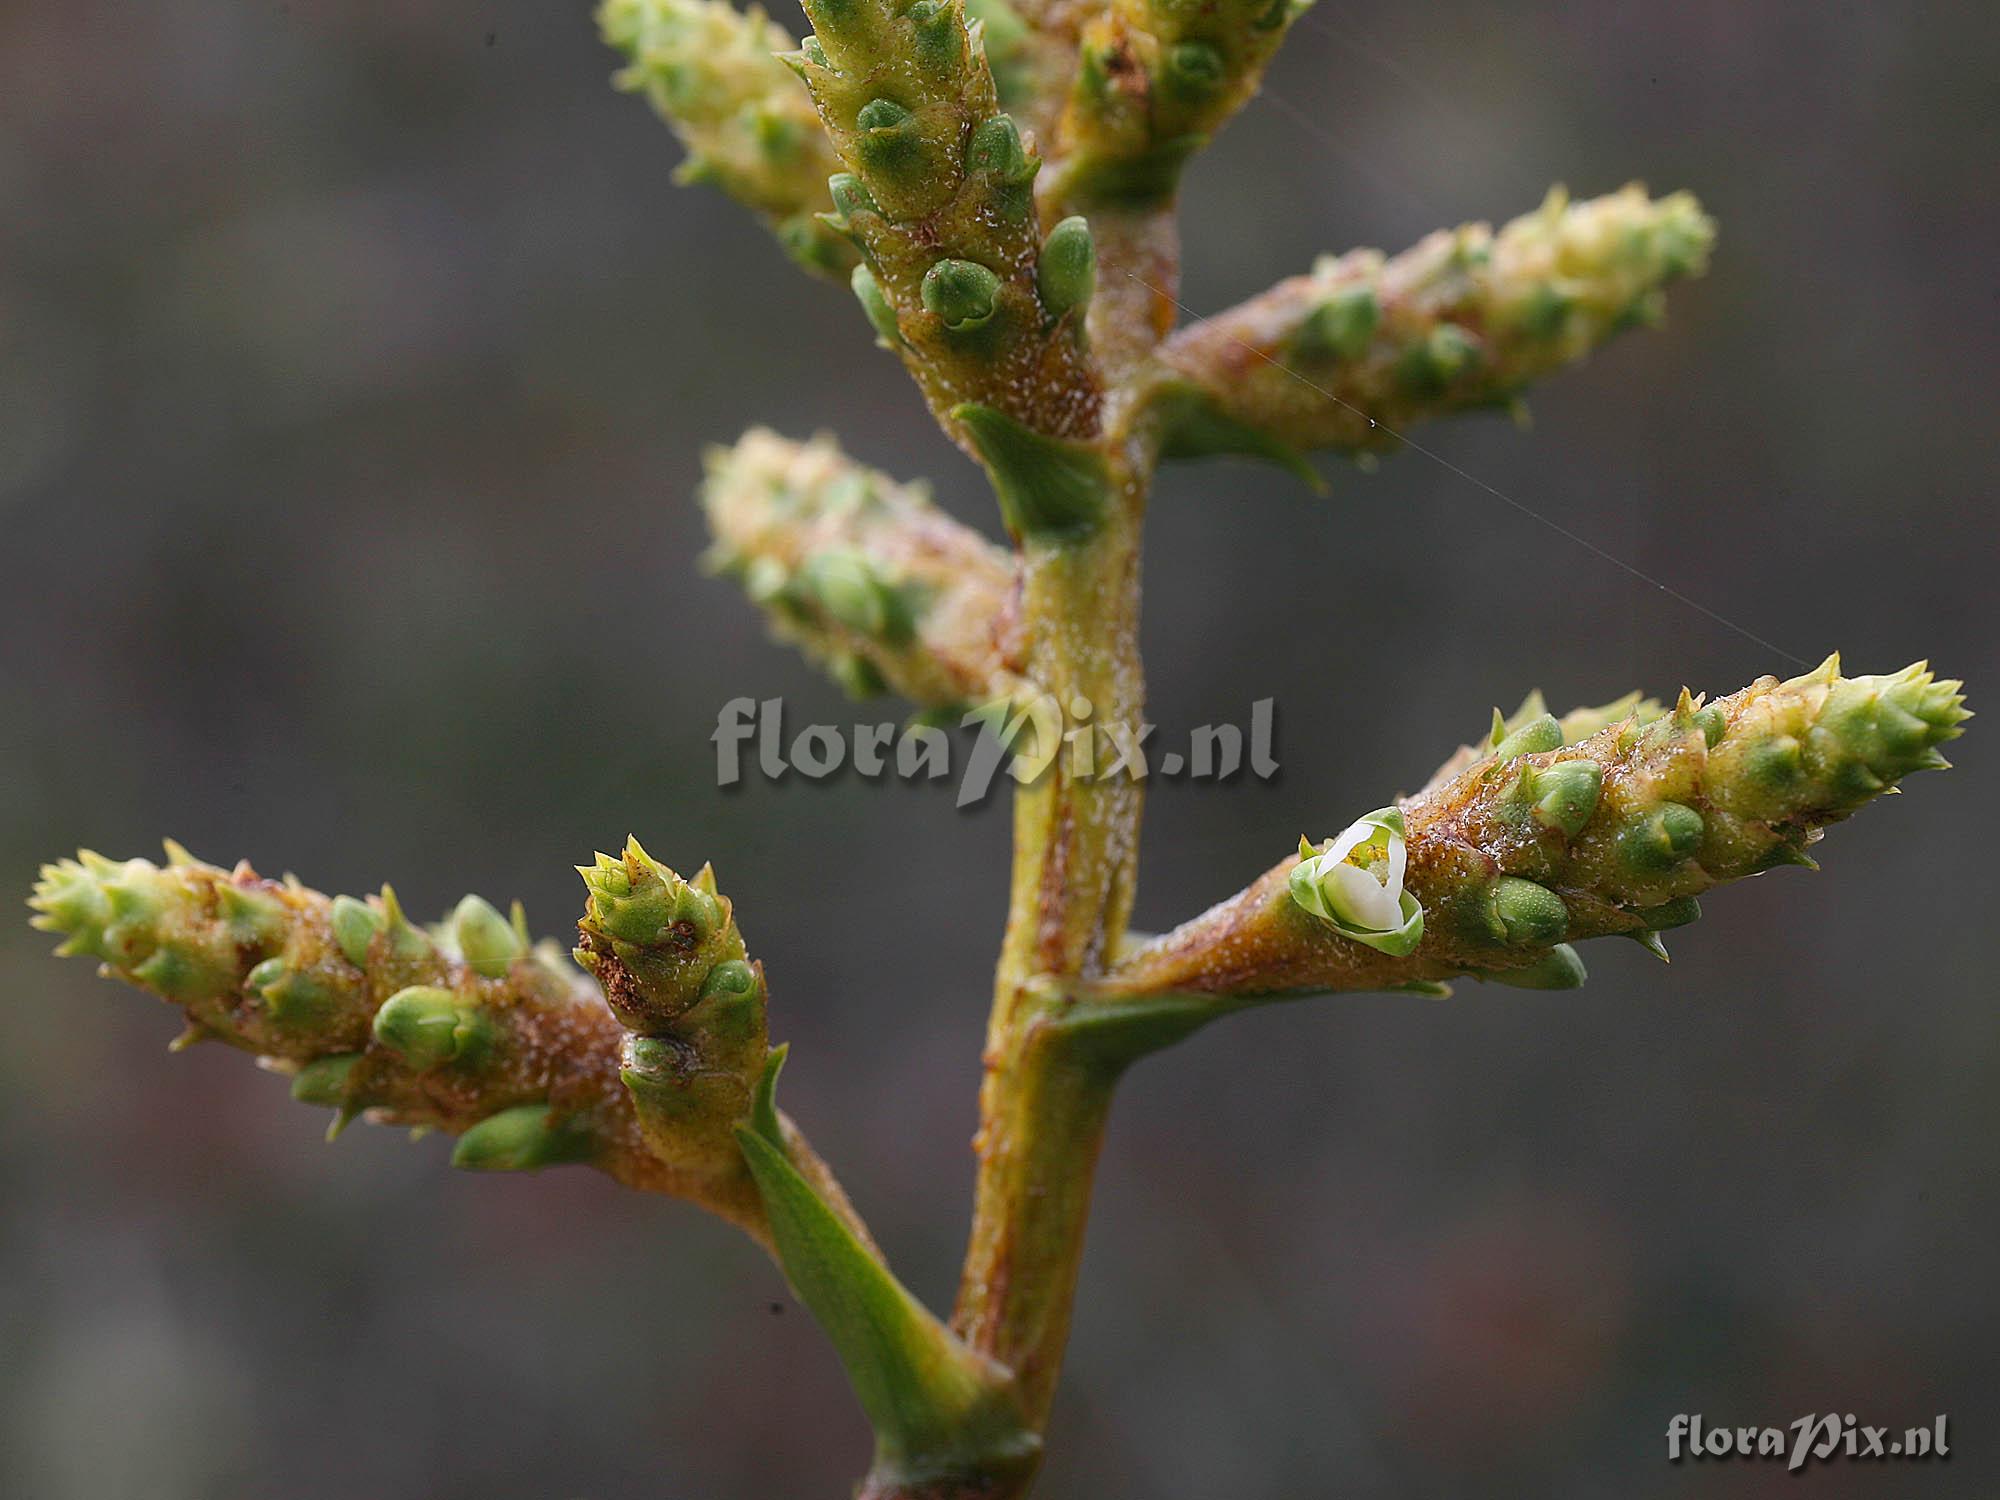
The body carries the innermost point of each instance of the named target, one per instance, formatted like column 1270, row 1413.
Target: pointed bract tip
column 1650, row 941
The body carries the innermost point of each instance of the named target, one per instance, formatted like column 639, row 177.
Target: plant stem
column 1045, row 1095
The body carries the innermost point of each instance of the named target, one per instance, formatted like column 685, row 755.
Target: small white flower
column 1356, row 883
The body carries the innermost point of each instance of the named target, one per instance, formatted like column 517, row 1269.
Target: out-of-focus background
column 356, row 361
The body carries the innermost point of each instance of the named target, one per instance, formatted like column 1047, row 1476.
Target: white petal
column 1359, row 898
column 1352, row 837
column 1399, row 861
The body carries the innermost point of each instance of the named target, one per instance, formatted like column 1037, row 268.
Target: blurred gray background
column 356, row 358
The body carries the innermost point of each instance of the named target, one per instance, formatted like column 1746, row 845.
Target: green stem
column 1046, row 1094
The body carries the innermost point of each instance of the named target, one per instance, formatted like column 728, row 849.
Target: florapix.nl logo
column 1025, row 738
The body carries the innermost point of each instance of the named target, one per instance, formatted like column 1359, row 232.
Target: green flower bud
column 1776, row 762
column 1341, row 327
column 890, row 141
column 1195, row 70
column 487, row 942
column 1559, row 969
column 882, row 114
column 961, row 293
column 731, row 980
column 1537, row 735
column 176, row 974
column 324, row 1080
column 69, row 899
column 996, row 147
column 1565, row 794
column 881, row 316
column 1662, row 838
column 1066, row 274
column 1429, row 368
column 1526, row 914
column 355, row 924
column 647, row 905
column 652, row 938
column 523, row 1139
column 1712, row 723
column 732, row 1002
column 849, row 587
column 289, row 998
column 428, row 1027
column 661, row 1075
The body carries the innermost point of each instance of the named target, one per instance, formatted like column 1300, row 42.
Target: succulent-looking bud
column 694, row 1003
column 881, row 114
column 1662, row 838
column 995, row 147
column 289, row 996
column 487, row 941
column 1525, row 914
column 324, row 1081
column 1446, row 352
column 1195, row 69
column 851, row 589
column 1565, row 794
column 651, row 937
column 355, row 925
column 525, row 1138
column 961, row 293
column 1561, row 968
column 1340, row 327
column 1356, row 884
column 1066, row 274
column 429, row 1027
column 1540, row 733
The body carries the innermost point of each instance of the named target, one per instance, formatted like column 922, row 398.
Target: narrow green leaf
column 935, row 1405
